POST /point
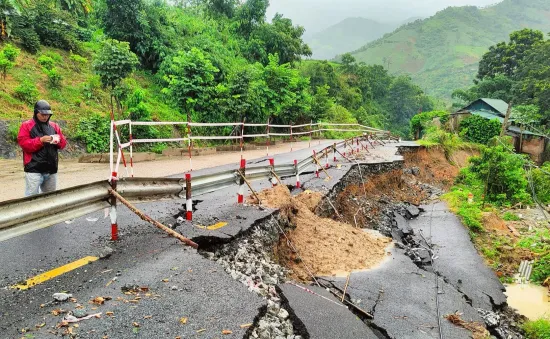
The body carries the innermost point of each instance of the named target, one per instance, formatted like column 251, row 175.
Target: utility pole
column 505, row 123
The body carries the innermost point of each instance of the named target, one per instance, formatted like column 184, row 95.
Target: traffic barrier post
column 242, row 170
column 188, row 198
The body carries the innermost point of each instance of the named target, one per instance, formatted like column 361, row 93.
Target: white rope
column 340, row 130
column 142, row 141
column 300, row 126
column 255, row 125
column 304, row 133
column 215, row 124
column 154, row 123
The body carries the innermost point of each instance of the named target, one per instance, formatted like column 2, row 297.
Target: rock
column 491, row 319
column 413, row 211
column 80, row 313
column 283, row 314
column 174, row 288
column 105, row 252
column 62, row 296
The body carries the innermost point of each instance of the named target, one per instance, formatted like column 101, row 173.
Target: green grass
column 538, row 329
column 509, row 216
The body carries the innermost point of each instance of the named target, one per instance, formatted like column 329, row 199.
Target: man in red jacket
column 40, row 140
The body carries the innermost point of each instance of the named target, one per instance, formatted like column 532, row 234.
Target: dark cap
column 43, row 107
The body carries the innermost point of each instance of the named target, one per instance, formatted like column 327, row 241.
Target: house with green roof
column 525, row 141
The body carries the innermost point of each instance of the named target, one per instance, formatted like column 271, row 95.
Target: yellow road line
column 213, row 227
column 54, row 273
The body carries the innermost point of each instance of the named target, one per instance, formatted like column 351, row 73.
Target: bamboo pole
column 346, row 287
column 250, row 186
column 145, row 217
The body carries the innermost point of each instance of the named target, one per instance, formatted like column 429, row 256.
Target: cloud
column 315, row 15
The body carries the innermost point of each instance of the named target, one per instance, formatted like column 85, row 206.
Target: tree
column 348, row 63
column 189, row 80
column 221, row 8
column 281, row 38
column 113, row 64
column 250, row 15
column 505, row 58
column 321, row 103
column 5, row 65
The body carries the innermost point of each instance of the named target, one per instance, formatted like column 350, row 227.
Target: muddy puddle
column 529, row 300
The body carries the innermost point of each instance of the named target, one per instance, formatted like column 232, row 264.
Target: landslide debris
column 324, row 246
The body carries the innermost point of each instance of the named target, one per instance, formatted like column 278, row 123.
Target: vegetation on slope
column 442, row 52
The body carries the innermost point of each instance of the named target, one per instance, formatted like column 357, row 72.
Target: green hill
column 442, row 52
column 347, row 35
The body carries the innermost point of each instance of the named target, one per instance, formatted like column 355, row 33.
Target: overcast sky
column 316, row 15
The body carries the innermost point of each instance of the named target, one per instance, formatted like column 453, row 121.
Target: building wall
column 535, row 147
column 456, row 118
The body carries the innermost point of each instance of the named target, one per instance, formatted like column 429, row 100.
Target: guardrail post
column 326, row 158
column 240, row 198
column 273, row 179
column 298, row 185
column 316, row 165
column 188, row 199
column 334, row 152
column 113, row 214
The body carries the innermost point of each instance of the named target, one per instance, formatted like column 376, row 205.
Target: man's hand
column 46, row 138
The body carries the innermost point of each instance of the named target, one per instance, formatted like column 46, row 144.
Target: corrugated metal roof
column 492, row 115
column 488, row 115
column 497, row 104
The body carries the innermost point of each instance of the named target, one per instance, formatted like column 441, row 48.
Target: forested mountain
column 442, row 52
column 208, row 60
column 346, row 36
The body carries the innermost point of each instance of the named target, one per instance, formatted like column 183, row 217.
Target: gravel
column 250, row 261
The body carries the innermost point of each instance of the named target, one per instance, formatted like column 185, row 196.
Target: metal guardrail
column 21, row 216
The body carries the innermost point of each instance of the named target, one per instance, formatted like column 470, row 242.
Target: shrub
column 538, row 329
column 92, row 88
column 509, row 216
column 477, row 129
column 55, row 56
column 541, row 181
column 503, row 174
column 54, row 78
column 5, row 65
column 449, row 141
column 46, row 62
column 94, row 131
column 27, row 92
column 13, row 130
column 541, row 269
column 78, row 62
column 56, row 28
column 421, row 121
column 11, row 52
column 29, row 40
column 84, row 34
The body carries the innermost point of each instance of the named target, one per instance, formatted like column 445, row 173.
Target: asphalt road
column 180, row 293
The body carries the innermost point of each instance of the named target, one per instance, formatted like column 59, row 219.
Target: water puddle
column 529, row 300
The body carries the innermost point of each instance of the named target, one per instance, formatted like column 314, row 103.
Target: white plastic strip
column 342, row 130
column 329, row 124
column 281, row 126
column 155, row 123
column 304, row 133
column 126, row 145
column 300, row 126
column 256, row 136
column 214, row 138
column 142, row 141
column 214, row 124
column 255, row 125
column 280, row 134
column 123, row 122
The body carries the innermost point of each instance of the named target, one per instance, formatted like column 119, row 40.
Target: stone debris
column 62, row 296
column 249, row 260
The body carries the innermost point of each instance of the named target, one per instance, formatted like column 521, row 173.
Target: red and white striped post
column 131, row 151
column 113, row 214
column 274, row 181
column 326, row 158
column 298, row 185
column 334, row 152
column 188, row 199
column 242, row 137
column 310, row 132
column 240, row 197
column 316, row 164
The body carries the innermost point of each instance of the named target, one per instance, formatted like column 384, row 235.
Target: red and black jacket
column 39, row 157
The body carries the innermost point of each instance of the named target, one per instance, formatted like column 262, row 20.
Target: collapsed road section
column 279, row 266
